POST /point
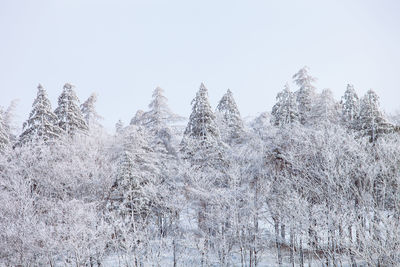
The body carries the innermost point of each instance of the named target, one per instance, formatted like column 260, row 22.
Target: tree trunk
column 301, row 253
column 291, row 246
column 277, row 242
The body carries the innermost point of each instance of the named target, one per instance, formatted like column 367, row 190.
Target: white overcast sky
column 124, row 49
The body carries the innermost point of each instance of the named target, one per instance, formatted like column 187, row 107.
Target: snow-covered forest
column 313, row 182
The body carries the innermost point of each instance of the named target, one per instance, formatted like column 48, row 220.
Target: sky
column 122, row 50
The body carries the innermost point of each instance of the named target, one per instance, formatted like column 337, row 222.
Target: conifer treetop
column 42, row 122
column 70, row 117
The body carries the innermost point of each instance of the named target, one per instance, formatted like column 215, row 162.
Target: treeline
column 313, row 182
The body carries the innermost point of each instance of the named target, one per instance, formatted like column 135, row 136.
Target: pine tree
column 8, row 115
column 159, row 114
column 138, row 118
column 89, row 112
column 4, row 138
column 371, row 121
column 158, row 121
column 350, row 106
column 119, row 126
column 127, row 195
column 231, row 124
column 201, row 125
column 305, row 94
column 325, row 109
column 139, row 174
column 285, row 110
column 69, row 115
column 41, row 123
column 201, row 141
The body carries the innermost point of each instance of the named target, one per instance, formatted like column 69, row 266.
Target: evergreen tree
column 325, row 109
column 159, row 114
column 41, row 123
column 231, row 124
column 371, row 121
column 119, row 126
column 201, row 141
column 127, row 192
column 138, row 118
column 350, row 106
column 261, row 123
column 8, row 115
column 4, row 138
column 89, row 112
column 285, row 110
column 69, row 115
column 201, row 125
column 158, row 121
column 305, row 94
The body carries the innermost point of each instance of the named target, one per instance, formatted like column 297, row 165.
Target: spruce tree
column 350, row 106
column 325, row 109
column 158, row 121
column 4, row 138
column 69, row 115
column 119, row 126
column 159, row 114
column 285, row 110
column 127, row 195
column 201, row 141
column 305, row 94
column 42, row 122
column 231, row 124
column 89, row 112
column 138, row 118
column 371, row 121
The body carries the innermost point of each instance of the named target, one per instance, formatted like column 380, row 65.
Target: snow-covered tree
column 4, row 137
column 228, row 116
column 324, row 109
column 138, row 118
column 371, row 121
column 70, row 118
column 42, row 122
column 158, row 120
column 305, row 94
column 159, row 114
column 8, row 115
column 127, row 196
column 285, row 110
column 119, row 126
column 261, row 123
column 201, row 141
column 89, row 112
column 350, row 106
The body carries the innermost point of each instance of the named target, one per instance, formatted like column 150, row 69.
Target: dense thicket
column 314, row 182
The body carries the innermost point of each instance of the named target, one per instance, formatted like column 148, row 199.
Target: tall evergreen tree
column 42, row 122
column 158, row 121
column 138, row 118
column 69, row 115
column 231, row 124
column 159, row 114
column 127, row 195
column 371, row 121
column 4, row 138
column 325, row 109
column 305, row 94
column 350, row 106
column 119, row 126
column 285, row 110
column 201, row 125
column 8, row 115
column 201, row 141
column 89, row 112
